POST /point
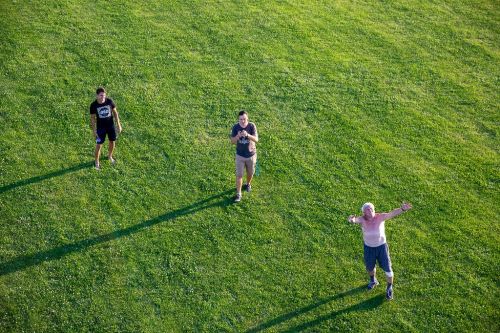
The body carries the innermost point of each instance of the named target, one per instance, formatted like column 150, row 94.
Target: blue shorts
column 380, row 254
column 101, row 134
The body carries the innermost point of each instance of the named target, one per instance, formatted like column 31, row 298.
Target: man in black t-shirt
column 103, row 113
column 244, row 136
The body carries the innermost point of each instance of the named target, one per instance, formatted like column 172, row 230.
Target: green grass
column 354, row 101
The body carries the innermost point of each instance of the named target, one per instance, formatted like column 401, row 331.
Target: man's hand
column 352, row 219
column 119, row 128
column 406, row 206
column 95, row 134
column 243, row 134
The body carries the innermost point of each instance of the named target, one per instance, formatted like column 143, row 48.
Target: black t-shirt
column 104, row 112
column 244, row 146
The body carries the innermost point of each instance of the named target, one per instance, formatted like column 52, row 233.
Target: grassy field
column 355, row 101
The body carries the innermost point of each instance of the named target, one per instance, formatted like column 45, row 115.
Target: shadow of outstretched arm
column 292, row 314
column 23, row 262
column 368, row 304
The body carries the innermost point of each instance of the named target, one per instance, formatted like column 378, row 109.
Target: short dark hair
column 242, row 112
column 100, row 90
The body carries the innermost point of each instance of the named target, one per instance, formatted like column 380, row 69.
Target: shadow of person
column 26, row 261
column 37, row 179
column 368, row 304
column 292, row 314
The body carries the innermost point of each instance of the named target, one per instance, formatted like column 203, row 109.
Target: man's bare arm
column 254, row 138
column 404, row 207
column 117, row 118
column 235, row 138
column 93, row 124
column 354, row 219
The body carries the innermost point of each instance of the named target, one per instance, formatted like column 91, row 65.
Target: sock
column 389, row 285
column 372, row 278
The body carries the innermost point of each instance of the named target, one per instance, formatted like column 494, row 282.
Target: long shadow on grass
column 43, row 177
column 23, row 262
column 368, row 304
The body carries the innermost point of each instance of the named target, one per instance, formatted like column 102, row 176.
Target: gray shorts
column 247, row 163
column 380, row 254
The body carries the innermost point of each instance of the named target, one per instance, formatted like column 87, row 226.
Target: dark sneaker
column 388, row 294
column 247, row 187
column 237, row 198
column 97, row 166
column 372, row 284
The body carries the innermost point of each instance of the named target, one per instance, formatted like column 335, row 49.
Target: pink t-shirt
column 373, row 231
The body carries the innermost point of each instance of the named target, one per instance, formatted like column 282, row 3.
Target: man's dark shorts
column 380, row 254
column 102, row 132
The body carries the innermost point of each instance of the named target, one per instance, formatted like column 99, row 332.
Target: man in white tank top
column 375, row 245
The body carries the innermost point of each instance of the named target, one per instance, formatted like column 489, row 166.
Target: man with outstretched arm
column 103, row 114
column 375, row 245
